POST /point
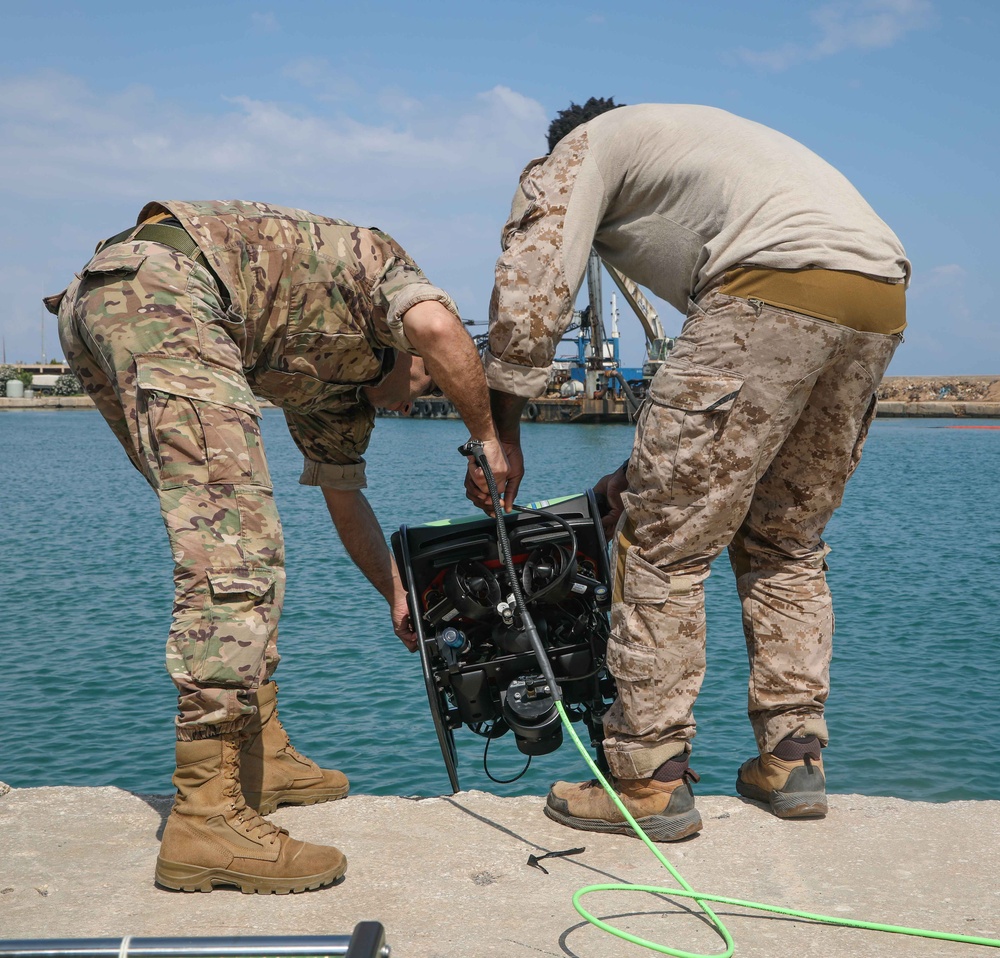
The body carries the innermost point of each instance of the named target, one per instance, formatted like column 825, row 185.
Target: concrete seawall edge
column 450, row 875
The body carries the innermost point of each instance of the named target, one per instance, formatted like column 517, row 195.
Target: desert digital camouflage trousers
column 750, row 433
column 144, row 329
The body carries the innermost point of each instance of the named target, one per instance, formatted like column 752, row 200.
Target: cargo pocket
column 231, row 649
column 676, row 446
column 859, row 444
column 198, row 423
column 656, row 647
column 115, row 260
column 633, row 666
column 629, row 662
column 632, row 644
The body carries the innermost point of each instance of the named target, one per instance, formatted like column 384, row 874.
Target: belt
column 176, row 237
column 864, row 303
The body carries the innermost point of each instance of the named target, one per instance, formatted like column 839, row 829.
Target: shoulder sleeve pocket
column 115, row 259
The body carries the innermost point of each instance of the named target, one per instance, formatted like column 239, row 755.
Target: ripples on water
column 914, row 569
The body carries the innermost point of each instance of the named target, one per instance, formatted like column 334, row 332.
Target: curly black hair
column 568, row 120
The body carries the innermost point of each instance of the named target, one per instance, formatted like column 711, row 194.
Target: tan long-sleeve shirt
column 673, row 196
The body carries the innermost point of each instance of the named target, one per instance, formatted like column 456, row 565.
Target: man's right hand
column 507, row 465
column 612, row 486
column 402, row 624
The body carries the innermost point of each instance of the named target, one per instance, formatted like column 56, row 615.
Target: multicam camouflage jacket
column 314, row 295
column 314, row 306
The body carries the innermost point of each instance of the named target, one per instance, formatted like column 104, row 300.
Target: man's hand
column 506, row 411
column 477, row 489
column 402, row 625
column 611, row 487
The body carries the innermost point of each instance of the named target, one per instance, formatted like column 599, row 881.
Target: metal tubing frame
column 367, row 941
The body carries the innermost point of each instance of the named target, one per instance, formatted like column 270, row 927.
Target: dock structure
column 450, row 876
column 944, row 397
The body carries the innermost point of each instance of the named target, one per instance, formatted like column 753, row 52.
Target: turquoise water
column 915, row 570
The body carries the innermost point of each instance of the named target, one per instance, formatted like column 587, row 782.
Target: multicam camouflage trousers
column 146, row 332
column 749, row 435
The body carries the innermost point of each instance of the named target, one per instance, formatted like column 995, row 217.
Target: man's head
column 405, row 381
column 568, row 120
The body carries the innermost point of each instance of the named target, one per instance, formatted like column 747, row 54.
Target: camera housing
column 480, row 670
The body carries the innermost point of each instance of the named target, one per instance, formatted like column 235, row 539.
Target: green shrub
column 67, row 385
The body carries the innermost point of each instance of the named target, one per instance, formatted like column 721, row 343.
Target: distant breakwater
column 945, row 397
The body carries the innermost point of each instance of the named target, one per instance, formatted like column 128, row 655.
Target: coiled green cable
column 686, row 891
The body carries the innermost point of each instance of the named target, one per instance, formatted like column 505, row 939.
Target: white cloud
column 264, row 22
column 57, row 136
column 77, row 163
column 951, row 327
column 323, row 82
column 847, row 25
column 945, row 287
column 948, row 274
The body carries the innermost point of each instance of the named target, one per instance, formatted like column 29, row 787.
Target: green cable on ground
column 686, row 891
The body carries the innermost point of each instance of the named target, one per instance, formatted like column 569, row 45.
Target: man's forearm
column 506, row 409
column 451, row 358
column 362, row 536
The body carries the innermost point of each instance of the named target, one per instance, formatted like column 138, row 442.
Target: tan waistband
column 864, row 303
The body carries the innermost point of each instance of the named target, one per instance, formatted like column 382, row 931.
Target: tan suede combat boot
column 272, row 771
column 213, row 838
column 663, row 806
column 790, row 779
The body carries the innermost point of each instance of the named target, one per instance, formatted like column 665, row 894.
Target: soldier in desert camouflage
column 793, row 291
column 174, row 327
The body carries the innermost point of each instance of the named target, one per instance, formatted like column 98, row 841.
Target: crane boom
column 641, row 306
column 658, row 344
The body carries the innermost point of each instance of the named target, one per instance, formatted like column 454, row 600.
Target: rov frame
column 479, row 669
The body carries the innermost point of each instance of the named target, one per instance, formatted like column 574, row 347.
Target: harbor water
column 914, row 567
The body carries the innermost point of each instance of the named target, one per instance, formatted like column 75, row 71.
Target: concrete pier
column 450, row 876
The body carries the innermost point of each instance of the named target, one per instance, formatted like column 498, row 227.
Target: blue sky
column 418, row 118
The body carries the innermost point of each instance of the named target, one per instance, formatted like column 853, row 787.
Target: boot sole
column 269, row 801
column 660, row 828
column 177, row 876
column 786, row 804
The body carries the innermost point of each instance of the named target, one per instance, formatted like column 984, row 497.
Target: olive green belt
column 864, row 303
column 176, row 237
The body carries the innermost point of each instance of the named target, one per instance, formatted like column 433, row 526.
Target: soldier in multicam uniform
column 174, row 327
column 794, row 295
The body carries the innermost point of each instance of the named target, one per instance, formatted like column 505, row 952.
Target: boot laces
column 287, row 748
column 257, row 827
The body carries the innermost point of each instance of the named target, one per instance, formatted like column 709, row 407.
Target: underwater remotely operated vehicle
column 503, row 610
